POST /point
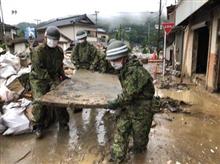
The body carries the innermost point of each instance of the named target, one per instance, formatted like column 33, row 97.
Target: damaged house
column 10, row 32
column 70, row 25
column 196, row 44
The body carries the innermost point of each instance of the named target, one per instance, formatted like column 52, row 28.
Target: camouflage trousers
column 134, row 121
column 44, row 115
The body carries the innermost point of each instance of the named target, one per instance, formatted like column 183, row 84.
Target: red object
column 154, row 56
column 167, row 26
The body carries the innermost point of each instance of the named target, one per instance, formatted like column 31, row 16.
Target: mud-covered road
column 176, row 138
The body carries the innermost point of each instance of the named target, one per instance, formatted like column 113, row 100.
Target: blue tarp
column 30, row 32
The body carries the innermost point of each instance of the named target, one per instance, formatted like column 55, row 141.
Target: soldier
column 46, row 73
column 84, row 53
column 102, row 65
column 135, row 116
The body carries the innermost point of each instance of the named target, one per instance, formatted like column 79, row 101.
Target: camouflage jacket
column 47, row 64
column 83, row 56
column 102, row 65
column 137, row 85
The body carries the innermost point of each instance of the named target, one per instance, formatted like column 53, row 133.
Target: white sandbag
column 6, row 70
column 6, row 95
column 9, row 65
column 11, row 59
column 24, row 70
column 14, row 118
column 19, row 73
column 2, row 127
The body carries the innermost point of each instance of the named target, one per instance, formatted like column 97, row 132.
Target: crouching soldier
column 46, row 73
column 135, row 117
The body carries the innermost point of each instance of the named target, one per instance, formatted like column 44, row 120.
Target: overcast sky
column 30, row 10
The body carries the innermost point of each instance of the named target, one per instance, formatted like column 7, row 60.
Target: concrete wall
column 212, row 73
column 178, row 48
column 187, row 51
column 68, row 31
column 211, row 16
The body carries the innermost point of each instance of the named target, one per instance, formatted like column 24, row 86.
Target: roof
column 8, row 27
column 59, row 22
column 100, row 30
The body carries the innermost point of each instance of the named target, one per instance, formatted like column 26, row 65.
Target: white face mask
column 81, row 41
column 116, row 65
column 52, row 43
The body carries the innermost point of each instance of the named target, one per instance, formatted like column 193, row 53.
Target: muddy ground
column 190, row 137
column 176, row 138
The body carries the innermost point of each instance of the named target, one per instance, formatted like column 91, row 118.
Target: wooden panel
column 85, row 89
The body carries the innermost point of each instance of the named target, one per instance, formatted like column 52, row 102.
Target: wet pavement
column 176, row 138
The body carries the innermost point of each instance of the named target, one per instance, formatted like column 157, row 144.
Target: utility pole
column 148, row 33
column 37, row 21
column 3, row 24
column 96, row 21
column 158, row 35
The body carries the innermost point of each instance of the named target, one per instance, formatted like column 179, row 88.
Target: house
column 197, row 41
column 10, row 32
column 70, row 25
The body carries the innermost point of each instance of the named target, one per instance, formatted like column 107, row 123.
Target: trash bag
column 15, row 119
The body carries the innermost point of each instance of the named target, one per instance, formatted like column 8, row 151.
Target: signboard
column 167, row 26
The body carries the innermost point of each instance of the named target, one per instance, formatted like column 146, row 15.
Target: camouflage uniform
column 86, row 56
column 46, row 73
column 102, row 65
column 83, row 56
column 135, row 103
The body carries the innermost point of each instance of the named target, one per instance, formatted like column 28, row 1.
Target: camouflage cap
column 52, row 32
column 116, row 50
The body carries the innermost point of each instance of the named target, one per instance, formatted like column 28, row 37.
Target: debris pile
column 14, row 83
column 160, row 105
column 169, row 83
column 12, row 76
column 13, row 119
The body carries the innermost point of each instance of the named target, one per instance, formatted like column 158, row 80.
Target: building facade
column 197, row 41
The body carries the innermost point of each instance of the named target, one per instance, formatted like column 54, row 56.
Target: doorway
column 202, row 50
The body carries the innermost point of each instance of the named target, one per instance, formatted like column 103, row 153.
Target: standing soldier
column 136, row 116
column 84, row 53
column 46, row 73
